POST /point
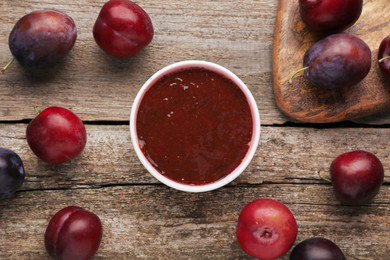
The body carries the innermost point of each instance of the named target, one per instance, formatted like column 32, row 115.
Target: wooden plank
column 285, row 155
column 106, row 87
column 236, row 35
column 142, row 218
column 149, row 222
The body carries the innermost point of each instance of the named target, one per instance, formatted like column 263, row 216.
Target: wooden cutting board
column 302, row 102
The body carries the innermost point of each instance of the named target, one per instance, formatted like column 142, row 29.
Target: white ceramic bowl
column 255, row 118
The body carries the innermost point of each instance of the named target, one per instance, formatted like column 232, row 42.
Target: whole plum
column 356, row 176
column 317, row 248
column 11, row 173
column 329, row 15
column 266, row 229
column 56, row 135
column 384, row 56
column 339, row 60
column 122, row 28
column 41, row 38
column 73, row 233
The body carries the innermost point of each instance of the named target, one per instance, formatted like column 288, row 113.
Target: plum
column 122, row 28
column 73, row 233
column 329, row 15
column 384, row 55
column 266, row 229
column 356, row 176
column 12, row 173
column 317, row 248
column 42, row 38
column 337, row 61
column 56, row 135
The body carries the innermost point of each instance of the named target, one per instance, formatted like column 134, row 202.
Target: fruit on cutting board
column 12, row 173
column 123, row 28
column 317, row 248
column 73, row 233
column 356, row 176
column 384, row 56
column 337, row 61
column 266, row 229
column 42, row 38
column 329, row 15
column 56, row 135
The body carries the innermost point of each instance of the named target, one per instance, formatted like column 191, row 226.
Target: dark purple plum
column 42, row 38
column 329, row 15
column 384, row 56
column 316, row 248
column 337, row 61
column 11, row 173
column 356, row 177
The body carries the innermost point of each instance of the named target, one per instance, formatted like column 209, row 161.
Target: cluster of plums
column 42, row 38
column 339, row 60
column 57, row 135
column 266, row 228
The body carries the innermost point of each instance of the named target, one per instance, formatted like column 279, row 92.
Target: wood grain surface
column 143, row 219
column 237, row 35
column 304, row 102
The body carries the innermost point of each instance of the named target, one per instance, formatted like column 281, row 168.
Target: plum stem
column 323, row 177
column 7, row 65
column 295, row 73
column 384, row 58
column 37, row 110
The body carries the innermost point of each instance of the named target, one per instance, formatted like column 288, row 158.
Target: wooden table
column 142, row 218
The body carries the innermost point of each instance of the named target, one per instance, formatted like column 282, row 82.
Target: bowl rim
column 182, row 65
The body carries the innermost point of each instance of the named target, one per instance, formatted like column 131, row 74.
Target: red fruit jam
column 194, row 126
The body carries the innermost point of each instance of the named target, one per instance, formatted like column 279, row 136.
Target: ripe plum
column 356, row 176
column 11, row 173
column 42, row 38
column 122, row 28
column 339, row 60
column 73, row 233
column 266, row 229
column 330, row 15
column 316, row 248
column 384, row 56
column 56, row 135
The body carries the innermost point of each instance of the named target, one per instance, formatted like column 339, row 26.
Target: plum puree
column 194, row 126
